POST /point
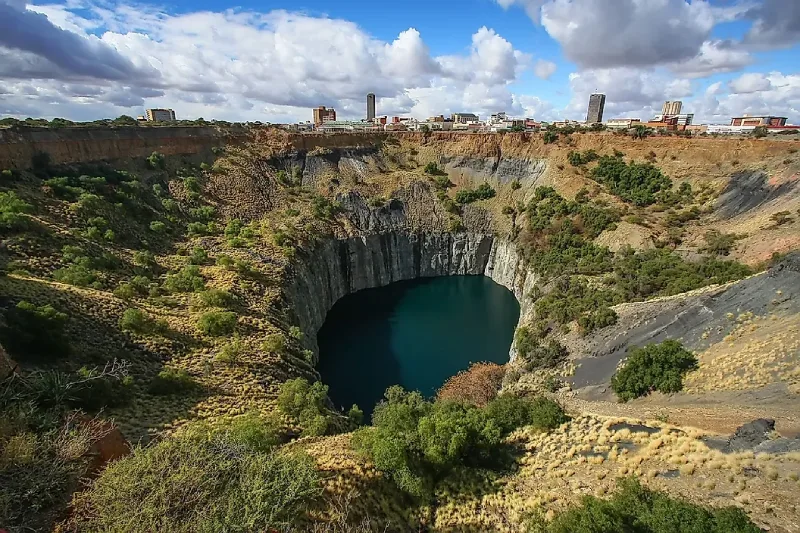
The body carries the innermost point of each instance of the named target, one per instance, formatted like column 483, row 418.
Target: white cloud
column 776, row 23
column 247, row 65
column 714, row 57
column 751, row 82
column 544, row 69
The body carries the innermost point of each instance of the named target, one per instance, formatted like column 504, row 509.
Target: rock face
column 336, row 268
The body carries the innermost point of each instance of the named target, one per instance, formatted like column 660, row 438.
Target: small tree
column 550, row 137
column 477, row 385
column 217, row 323
column 759, row 132
column 655, row 367
column 305, row 402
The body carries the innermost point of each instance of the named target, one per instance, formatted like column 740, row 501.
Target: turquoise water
column 414, row 333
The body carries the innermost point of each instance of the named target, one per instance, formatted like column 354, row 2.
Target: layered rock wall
column 336, row 268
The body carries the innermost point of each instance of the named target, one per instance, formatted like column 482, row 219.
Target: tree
column 550, row 137
column 759, row 132
column 655, row 367
column 640, row 131
column 477, row 385
column 305, row 402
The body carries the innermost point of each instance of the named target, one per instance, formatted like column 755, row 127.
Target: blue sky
column 274, row 60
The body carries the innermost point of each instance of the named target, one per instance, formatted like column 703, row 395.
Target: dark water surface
column 413, row 333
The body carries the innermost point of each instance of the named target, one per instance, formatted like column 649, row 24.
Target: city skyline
column 721, row 59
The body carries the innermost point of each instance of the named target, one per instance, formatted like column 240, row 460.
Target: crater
column 414, row 333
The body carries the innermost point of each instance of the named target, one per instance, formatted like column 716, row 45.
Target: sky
column 273, row 61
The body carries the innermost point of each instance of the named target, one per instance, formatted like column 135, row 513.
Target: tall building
column 321, row 114
column 370, row 106
column 159, row 115
column 596, row 104
column 672, row 108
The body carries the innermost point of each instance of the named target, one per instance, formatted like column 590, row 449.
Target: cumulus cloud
column 46, row 47
column 776, row 23
column 616, row 33
column 714, row 57
column 751, row 82
column 241, row 65
column 544, row 69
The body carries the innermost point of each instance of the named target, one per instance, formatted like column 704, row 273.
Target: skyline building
column 596, row 104
column 370, row 106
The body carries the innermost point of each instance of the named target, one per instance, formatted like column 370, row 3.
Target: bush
column 144, row 259
column 78, row 275
column 655, row 367
column 719, row 243
column 172, row 381
column 324, row 209
column 12, row 210
column 516, row 185
column 198, row 256
column 550, row 137
column 535, row 353
column 417, row 443
column 97, row 391
column 232, row 352
column 34, row 331
column 483, row 192
column 477, row 385
column 637, row 183
column 274, row 343
column 216, row 298
column 159, row 227
column 637, row 508
column 188, row 279
column 217, row 323
column 433, row 169
column 782, row 217
column 137, row 321
column 305, row 403
column 156, row 161
column 223, row 479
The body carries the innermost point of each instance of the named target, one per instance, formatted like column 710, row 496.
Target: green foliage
column 759, row 132
column 216, row 298
column 574, row 299
column 172, row 381
column 634, row 508
column 442, row 182
column 433, row 169
column 217, row 323
column 296, row 333
column 655, row 367
column 206, row 480
column 273, row 343
column 550, row 137
column 483, row 192
column 137, row 321
column 305, row 403
column 12, row 210
column 355, row 415
column 324, row 209
column 637, row 183
column 417, row 443
column 32, row 331
column 156, row 161
column 535, row 352
column 198, row 256
column 577, row 159
column 231, row 352
column 95, row 390
column 516, row 185
column 203, row 213
column 144, row 259
column 641, row 131
column 719, row 243
column 188, row 279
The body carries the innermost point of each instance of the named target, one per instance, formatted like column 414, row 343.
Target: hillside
column 188, row 272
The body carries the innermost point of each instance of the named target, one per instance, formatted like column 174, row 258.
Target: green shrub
column 274, row 343
column 156, row 161
column 516, row 185
column 483, row 192
column 536, row 353
column 324, row 209
column 188, row 279
column 172, row 381
column 305, row 403
column 719, row 243
column 217, row 323
column 12, row 210
column 296, row 333
column 637, row 183
column 96, row 391
column 577, row 159
column 355, row 415
column 203, row 213
column 417, row 443
column 433, row 169
column 144, row 259
column 655, row 367
column 231, row 352
column 225, row 261
column 32, row 331
column 634, row 508
column 222, row 479
column 197, row 229
column 198, row 256
column 137, row 321
column 216, row 298
column 550, row 137
column 157, row 226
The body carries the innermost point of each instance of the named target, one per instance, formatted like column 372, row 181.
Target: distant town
column 672, row 119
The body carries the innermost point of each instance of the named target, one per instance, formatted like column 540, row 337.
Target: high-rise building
column 321, row 114
column 671, row 108
column 596, row 104
column 159, row 115
column 370, row 106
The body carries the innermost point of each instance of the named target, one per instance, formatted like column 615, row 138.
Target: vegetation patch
column 34, row 332
column 638, row 183
column 484, row 191
column 655, row 367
